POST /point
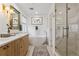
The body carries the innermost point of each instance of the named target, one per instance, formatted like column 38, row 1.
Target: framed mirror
column 15, row 18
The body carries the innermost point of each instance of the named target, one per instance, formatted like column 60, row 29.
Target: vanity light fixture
column 11, row 9
column 0, row 7
column 3, row 7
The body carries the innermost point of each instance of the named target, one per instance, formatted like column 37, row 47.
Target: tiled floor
column 31, row 49
column 50, row 50
column 40, row 51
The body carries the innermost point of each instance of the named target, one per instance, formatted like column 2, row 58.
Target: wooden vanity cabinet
column 3, row 51
column 26, row 40
column 10, row 49
column 6, row 50
column 21, row 47
column 18, row 47
column 24, row 47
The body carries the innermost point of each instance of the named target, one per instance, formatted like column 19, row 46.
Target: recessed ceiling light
column 36, row 12
column 60, row 12
column 31, row 8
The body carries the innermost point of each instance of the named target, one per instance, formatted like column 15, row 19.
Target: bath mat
column 40, row 51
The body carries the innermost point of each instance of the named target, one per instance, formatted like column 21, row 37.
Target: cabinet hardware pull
column 21, row 46
column 4, row 48
column 7, row 46
column 65, row 28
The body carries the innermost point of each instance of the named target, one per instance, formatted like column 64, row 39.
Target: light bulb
column 0, row 8
column 7, row 8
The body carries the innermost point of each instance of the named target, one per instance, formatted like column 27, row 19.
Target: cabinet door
column 21, row 47
column 26, row 44
column 9, row 49
column 16, row 47
column 12, row 47
column 3, row 51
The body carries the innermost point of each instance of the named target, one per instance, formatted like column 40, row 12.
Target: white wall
column 48, row 26
column 40, row 33
column 3, row 23
column 51, row 30
column 41, row 28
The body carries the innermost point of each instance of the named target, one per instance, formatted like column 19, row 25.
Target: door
column 3, row 51
column 73, row 23
column 22, row 46
column 61, row 28
column 26, row 43
column 17, row 47
column 67, row 29
column 9, row 49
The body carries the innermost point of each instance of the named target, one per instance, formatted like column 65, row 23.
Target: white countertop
column 4, row 41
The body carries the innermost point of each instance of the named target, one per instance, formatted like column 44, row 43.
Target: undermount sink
column 5, row 35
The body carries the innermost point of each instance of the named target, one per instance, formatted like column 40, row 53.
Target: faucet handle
column 7, row 24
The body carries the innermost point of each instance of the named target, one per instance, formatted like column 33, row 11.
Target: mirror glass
column 15, row 18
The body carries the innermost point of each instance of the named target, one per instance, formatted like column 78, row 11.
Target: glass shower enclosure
column 67, row 29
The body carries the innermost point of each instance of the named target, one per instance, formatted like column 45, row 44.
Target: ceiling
column 38, row 8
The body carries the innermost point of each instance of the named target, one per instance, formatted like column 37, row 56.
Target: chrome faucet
column 9, row 28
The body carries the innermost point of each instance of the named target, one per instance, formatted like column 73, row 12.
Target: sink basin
column 4, row 35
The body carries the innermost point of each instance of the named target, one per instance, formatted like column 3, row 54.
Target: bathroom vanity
column 16, row 45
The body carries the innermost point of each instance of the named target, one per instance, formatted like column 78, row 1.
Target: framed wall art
column 37, row 20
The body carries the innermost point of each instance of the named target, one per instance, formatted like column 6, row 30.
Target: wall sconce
column 0, row 7
column 3, row 7
column 11, row 9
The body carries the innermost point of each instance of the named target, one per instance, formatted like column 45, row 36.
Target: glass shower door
column 61, row 33
column 67, row 29
column 73, row 23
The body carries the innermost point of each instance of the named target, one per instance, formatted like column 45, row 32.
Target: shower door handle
column 63, row 32
column 65, row 28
